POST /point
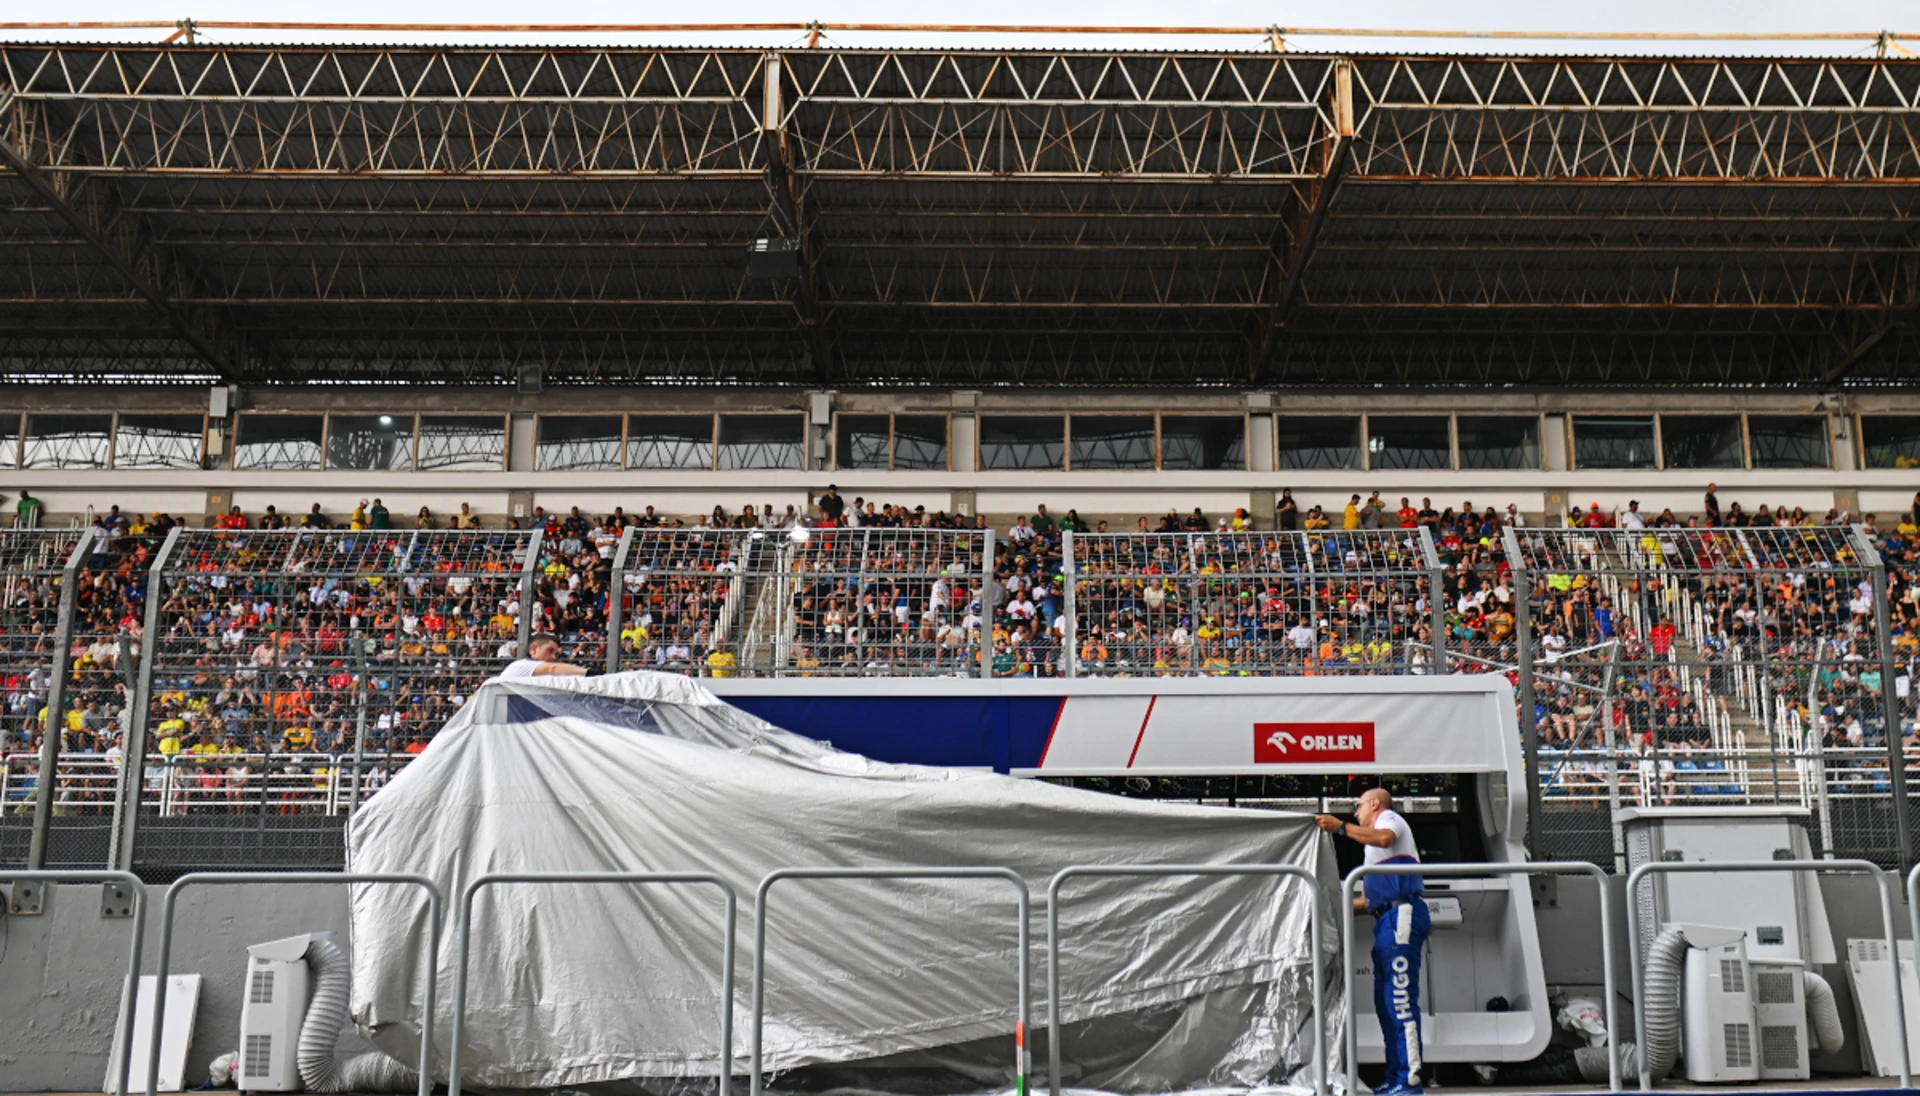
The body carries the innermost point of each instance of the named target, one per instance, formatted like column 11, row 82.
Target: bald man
column 1400, row 927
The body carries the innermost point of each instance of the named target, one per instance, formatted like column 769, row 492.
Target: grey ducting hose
column 321, row 1069
column 1824, row 1016
column 1660, row 1041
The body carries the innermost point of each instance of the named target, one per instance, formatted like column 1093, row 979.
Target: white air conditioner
column 276, row 1004
column 1719, row 1040
column 1780, row 1011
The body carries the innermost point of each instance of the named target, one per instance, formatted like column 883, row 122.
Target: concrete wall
column 61, row 973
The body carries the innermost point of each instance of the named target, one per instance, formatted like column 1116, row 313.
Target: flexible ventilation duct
column 1660, row 1041
column 1823, row 1016
column 321, row 1069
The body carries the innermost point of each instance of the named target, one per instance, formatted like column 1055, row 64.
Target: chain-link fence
column 1707, row 666
column 276, row 678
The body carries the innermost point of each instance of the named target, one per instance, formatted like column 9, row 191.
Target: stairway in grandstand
column 756, row 591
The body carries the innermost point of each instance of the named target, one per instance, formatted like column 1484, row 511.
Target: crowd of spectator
column 276, row 656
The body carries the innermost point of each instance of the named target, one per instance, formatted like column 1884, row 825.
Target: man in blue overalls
column 1400, row 928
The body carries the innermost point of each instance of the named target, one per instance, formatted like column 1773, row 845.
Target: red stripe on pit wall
column 1151, row 701
column 1051, row 731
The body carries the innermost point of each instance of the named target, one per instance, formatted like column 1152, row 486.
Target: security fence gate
column 271, row 680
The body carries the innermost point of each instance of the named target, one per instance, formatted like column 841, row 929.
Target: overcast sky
column 1864, row 17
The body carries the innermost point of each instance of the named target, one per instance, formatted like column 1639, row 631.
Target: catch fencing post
column 128, row 993
column 1857, row 867
column 133, row 752
column 1889, row 695
column 1470, row 871
column 1021, row 963
column 465, row 926
column 617, row 599
column 1053, row 947
column 228, row 879
column 988, row 576
column 47, row 783
column 1529, row 714
column 523, row 631
column 1436, row 601
column 1072, row 574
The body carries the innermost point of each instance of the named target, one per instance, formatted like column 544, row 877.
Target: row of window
column 1078, row 442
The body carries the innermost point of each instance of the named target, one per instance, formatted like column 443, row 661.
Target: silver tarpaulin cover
column 1166, row 983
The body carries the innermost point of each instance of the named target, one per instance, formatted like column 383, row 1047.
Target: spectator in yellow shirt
column 720, row 662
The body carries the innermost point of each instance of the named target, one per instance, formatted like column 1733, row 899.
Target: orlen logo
column 1311, row 743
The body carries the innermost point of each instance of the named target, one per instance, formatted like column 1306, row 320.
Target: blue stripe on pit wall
column 1000, row 732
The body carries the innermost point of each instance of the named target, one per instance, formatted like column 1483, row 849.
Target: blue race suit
column 1399, row 935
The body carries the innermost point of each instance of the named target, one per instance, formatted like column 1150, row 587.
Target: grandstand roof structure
column 966, row 217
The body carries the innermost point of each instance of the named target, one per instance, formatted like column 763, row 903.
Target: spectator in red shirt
column 1409, row 517
column 1595, row 519
column 1661, row 636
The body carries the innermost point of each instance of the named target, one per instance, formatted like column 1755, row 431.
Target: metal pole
column 429, row 969
column 988, row 588
column 1109, row 870
column 47, row 787
column 523, row 634
column 1021, row 961
column 1889, row 697
column 464, row 942
column 1858, row 867
column 1071, row 571
column 1459, row 871
column 617, row 600
column 1612, row 756
column 1529, row 715
column 1767, row 692
column 133, row 755
column 1436, row 601
column 1817, row 746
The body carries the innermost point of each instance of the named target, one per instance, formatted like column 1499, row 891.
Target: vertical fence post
column 1889, row 695
column 1523, row 654
column 1436, row 602
column 617, row 599
column 523, row 634
column 1072, row 571
column 988, row 587
column 133, row 752
column 1816, row 746
column 1767, row 692
column 46, row 786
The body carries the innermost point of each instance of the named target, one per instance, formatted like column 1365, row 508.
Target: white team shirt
column 1402, row 838
column 519, row 667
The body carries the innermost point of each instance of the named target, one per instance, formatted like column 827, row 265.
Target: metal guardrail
column 1468, row 871
column 129, row 992
column 465, row 927
column 1293, row 871
column 435, row 913
column 1866, row 867
column 1021, row 963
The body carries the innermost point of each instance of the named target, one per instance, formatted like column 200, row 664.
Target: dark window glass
column 373, row 442
column 1702, row 441
column 67, row 441
column 920, row 441
column 1609, row 442
column 451, row 443
column 1317, row 441
column 571, row 443
column 1790, row 441
column 1408, row 441
column 1499, row 441
column 1891, row 441
column 1112, row 441
column 670, row 441
column 158, row 441
column 278, row 442
column 860, row 441
column 1022, row 441
column 760, row 441
column 1207, row 442
column 10, row 439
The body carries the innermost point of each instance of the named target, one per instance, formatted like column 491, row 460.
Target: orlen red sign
column 1311, row 743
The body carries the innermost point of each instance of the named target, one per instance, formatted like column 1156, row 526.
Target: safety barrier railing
column 1022, row 962
column 435, row 913
column 1856, row 867
column 465, row 926
column 1284, row 871
column 1471, row 871
column 137, row 895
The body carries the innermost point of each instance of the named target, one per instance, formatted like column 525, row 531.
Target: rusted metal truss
column 967, row 217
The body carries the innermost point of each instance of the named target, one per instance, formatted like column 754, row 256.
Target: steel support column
column 1292, row 248
column 1889, row 696
column 47, row 786
column 1523, row 654
column 529, row 574
column 789, row 211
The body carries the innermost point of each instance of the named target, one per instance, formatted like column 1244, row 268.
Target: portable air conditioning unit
column 1717, row 1013
column 1780, row 1011
column 276, row 1004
